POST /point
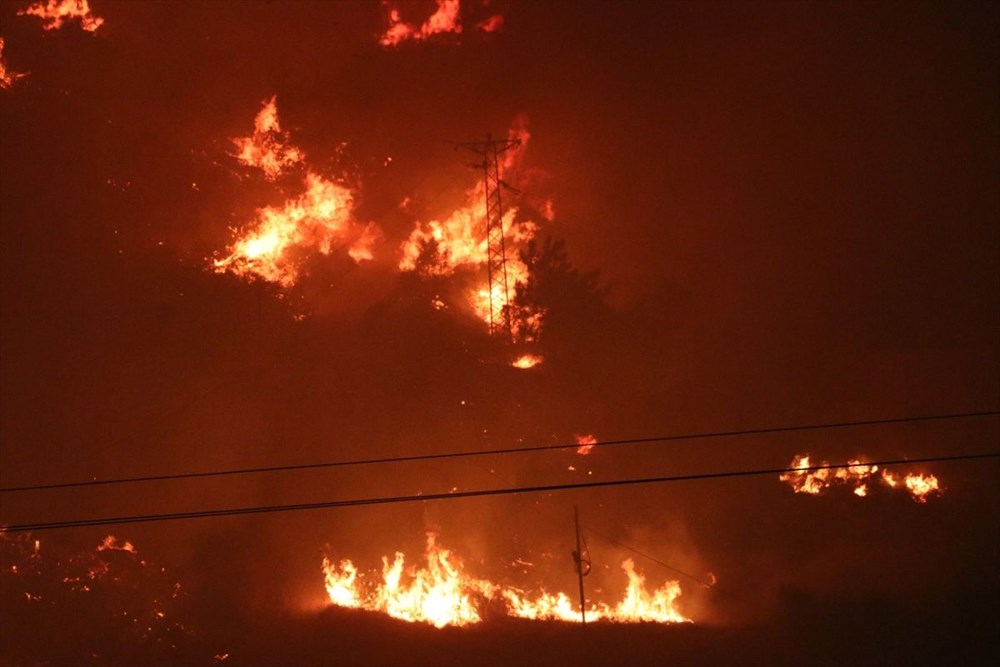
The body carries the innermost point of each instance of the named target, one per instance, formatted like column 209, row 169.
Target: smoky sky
column 792, row 212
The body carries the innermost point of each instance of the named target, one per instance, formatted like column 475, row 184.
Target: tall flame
column 56, row 12
column 7, row 76
column 441, row 247
column 858, row 476
column 441, row 593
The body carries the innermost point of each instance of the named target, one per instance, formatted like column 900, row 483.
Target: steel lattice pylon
column 496, row 253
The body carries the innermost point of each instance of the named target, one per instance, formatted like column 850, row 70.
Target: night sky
column 773, row 214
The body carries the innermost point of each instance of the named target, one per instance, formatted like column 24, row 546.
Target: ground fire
column 441, row 593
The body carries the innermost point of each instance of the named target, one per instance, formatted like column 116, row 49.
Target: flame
column 7, row 76
column 442, row 247
column 319, row 219
column 527, row 361
column 268, row 148
column 441, row 593
column 858, row 475
column 55, row 12
column 919, row 485
column 111, row 543
column 445, row 19
column 586, row 443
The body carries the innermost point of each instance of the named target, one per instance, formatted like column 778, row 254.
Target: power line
column 479, row 493
column 699, row 580
column 496, row 452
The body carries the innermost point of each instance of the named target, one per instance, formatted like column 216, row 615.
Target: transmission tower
column 496, row 253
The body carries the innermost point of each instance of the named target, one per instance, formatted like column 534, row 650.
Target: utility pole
column 496, row 253
column 582, row 563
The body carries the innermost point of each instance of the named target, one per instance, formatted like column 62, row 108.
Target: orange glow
column 441, row 593
column 56, row 12
column 7, row 77
column 586, row 443
column 492, row 24
column 527, row 361
column 858, row 476
column 268, row 148
column 276, row 243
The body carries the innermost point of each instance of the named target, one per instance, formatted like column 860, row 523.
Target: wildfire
column 586, row 443
column 268, row 148
column 441, row 593
column 7, row 77
column 857, row 475
column 442, row 247
column 320, row 219
column 56, row 12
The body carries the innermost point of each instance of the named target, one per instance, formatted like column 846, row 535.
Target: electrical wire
column 478, row 493
column 497, row 452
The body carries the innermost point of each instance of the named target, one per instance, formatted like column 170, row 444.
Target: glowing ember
column 441, row 593
column 268, row 148
column 586, row 443
column 7, row 77
column 443, row 247
column 275, row 245
column 527, row 361
column 857, row 475
column 56, row 12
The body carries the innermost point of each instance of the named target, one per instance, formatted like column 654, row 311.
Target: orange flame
column 7, row 77
column 586, row 443
column 56, row 12
column 858, row 475
column 319, row 219
column 442, row 247
column 441, row 594
column 268, row 148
